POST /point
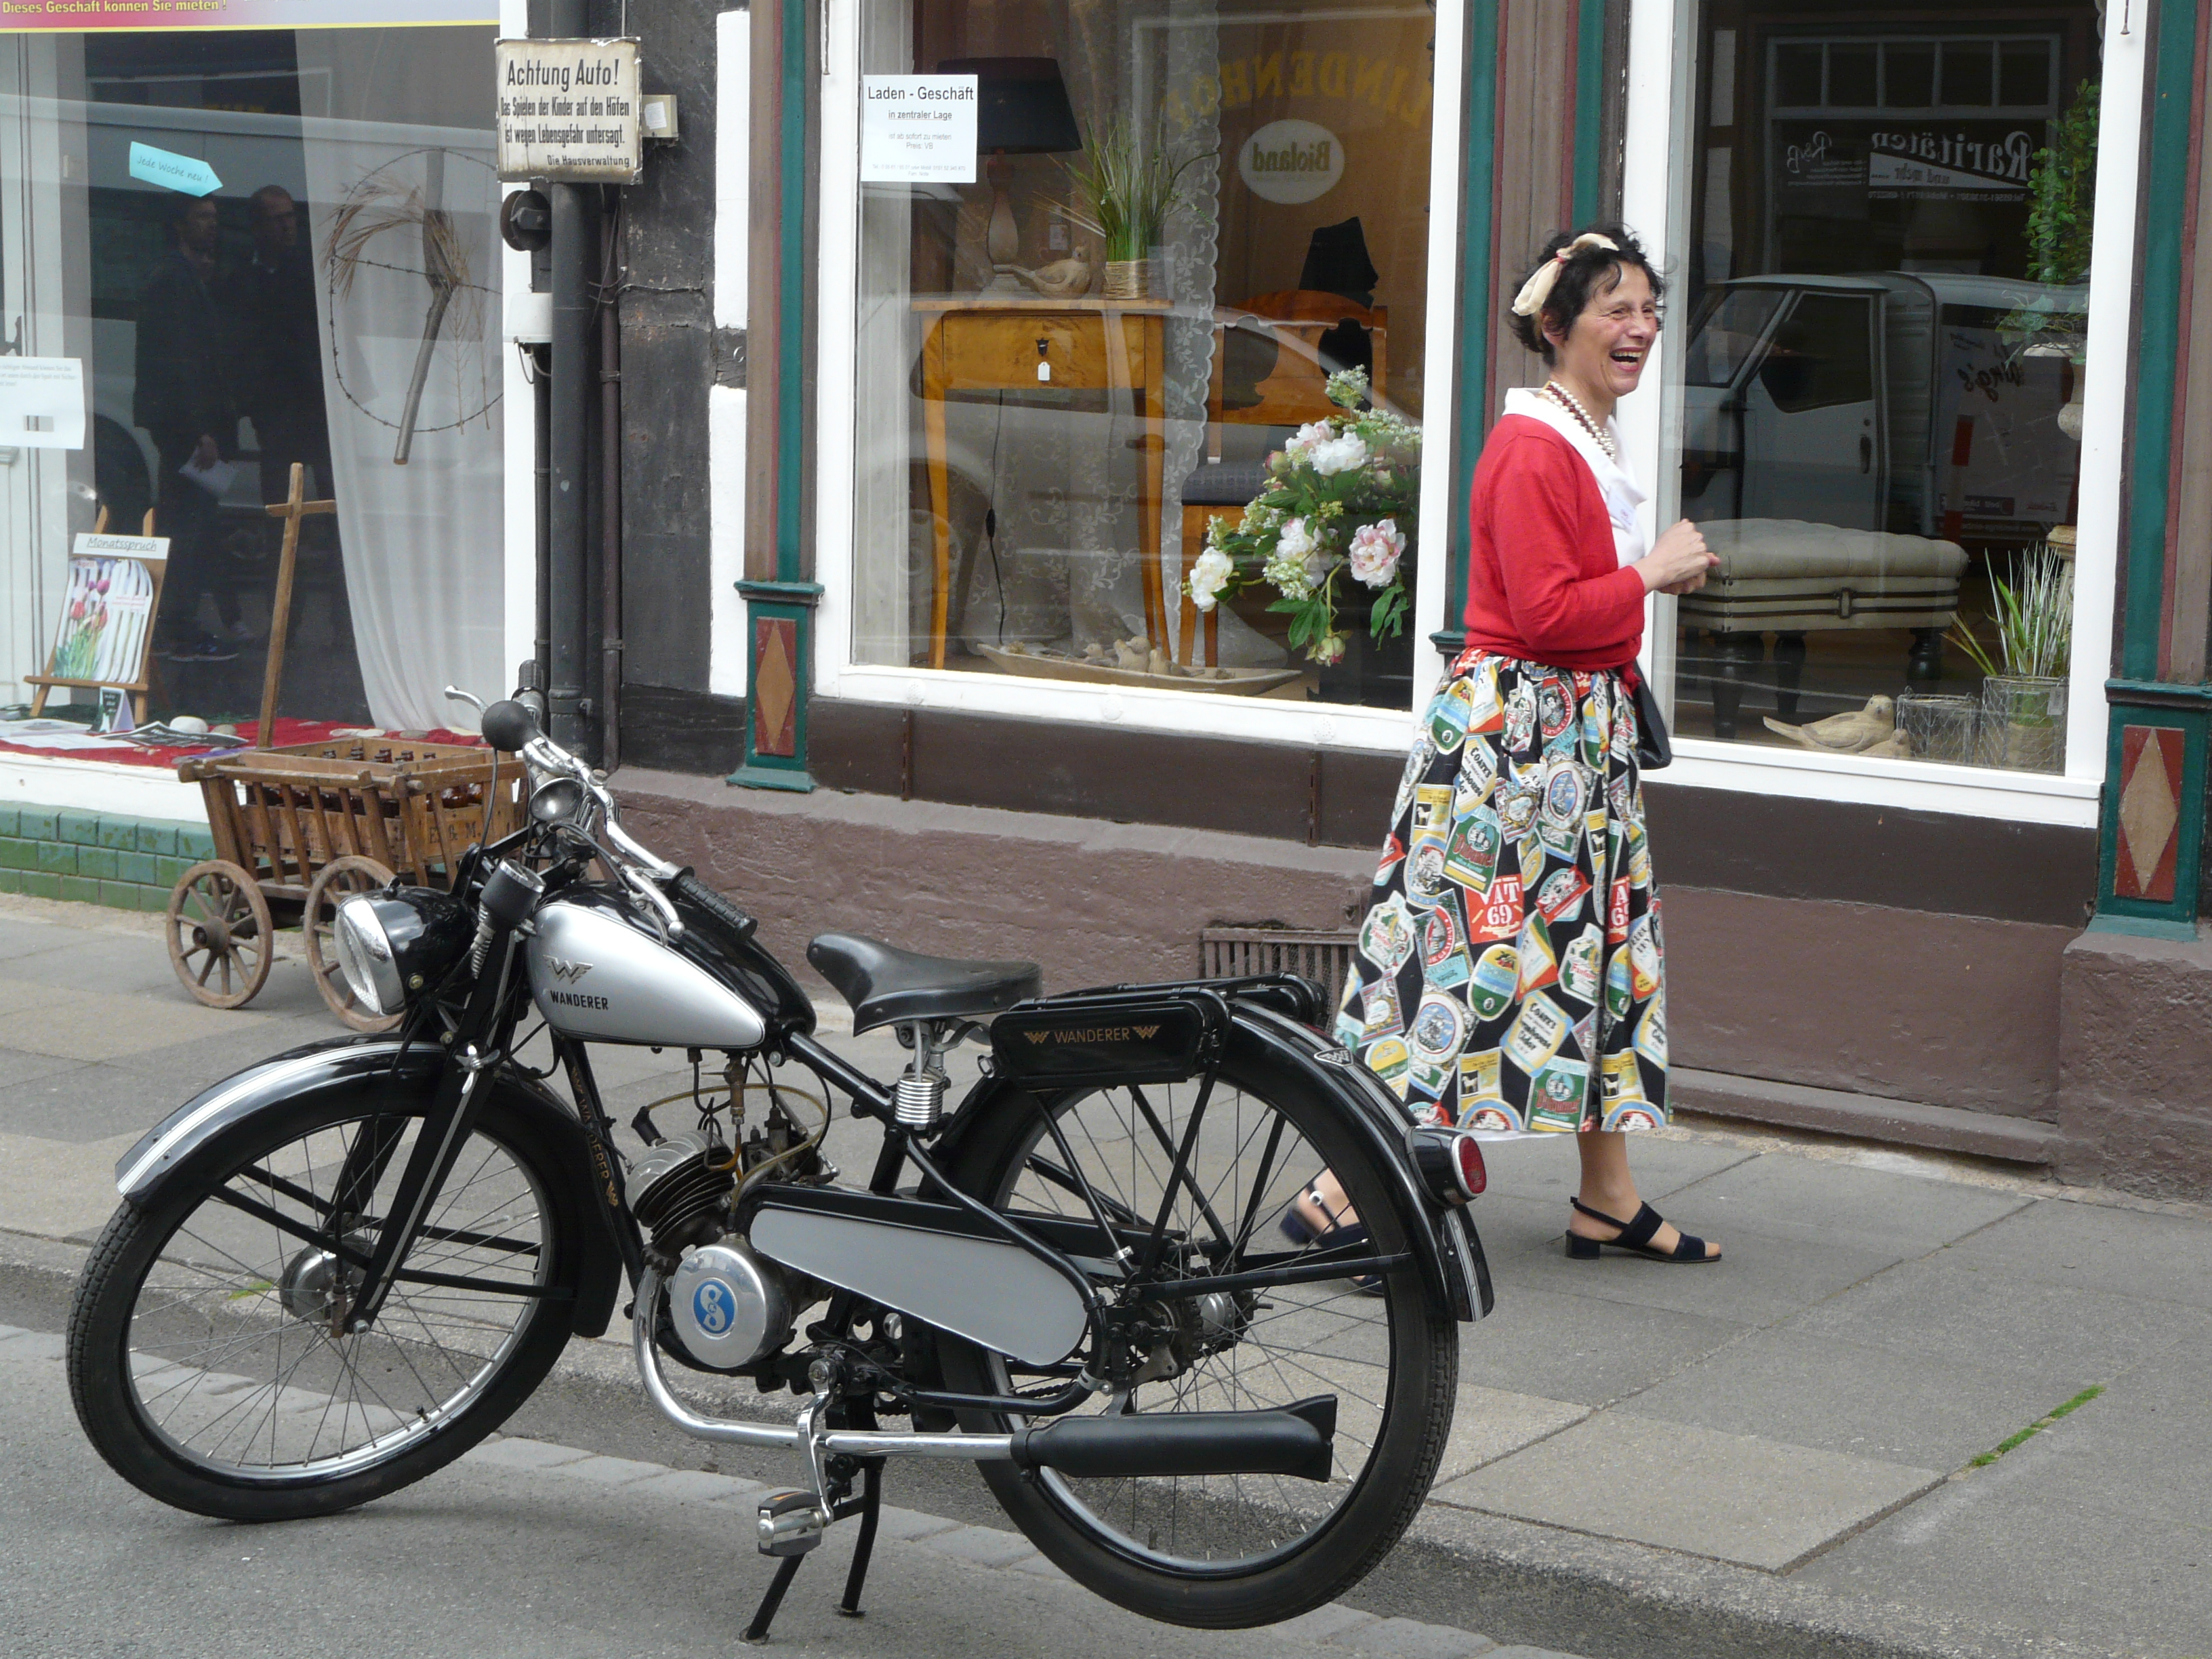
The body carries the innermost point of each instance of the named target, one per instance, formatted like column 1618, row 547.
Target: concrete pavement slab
column 1762, row 1276
column 1583, row 1349
column 2059, row 1339
column 2100, row 1246
column 1415, row 1640
column 1493, row 1423
column 100, row 1028
column 1735, row 1498
column 1811, row 1390
column 1547, row 1170
column 56, row 1190
column 1999, row 1548
column 90, row 1102
column 1834, row 1202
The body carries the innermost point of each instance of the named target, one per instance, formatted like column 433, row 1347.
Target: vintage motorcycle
column 337, row 1271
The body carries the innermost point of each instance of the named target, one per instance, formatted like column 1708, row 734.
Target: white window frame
column 1663, row 44
column 1662, row 47
column 1138, row 707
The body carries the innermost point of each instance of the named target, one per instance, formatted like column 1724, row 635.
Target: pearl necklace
column 1567, row 400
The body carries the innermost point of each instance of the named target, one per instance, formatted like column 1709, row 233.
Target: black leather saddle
column 885, row 984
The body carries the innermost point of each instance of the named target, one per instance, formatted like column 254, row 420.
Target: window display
column 1887, row 303
column 1115, row 318
column 263, row 251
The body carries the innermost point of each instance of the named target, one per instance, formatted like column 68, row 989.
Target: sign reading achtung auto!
column 567, row 111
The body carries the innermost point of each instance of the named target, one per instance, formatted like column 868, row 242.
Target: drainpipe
column 610, row 502
column 575, row 245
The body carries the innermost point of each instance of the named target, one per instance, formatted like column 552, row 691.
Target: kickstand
column 871, row 1497
column 786, row 1570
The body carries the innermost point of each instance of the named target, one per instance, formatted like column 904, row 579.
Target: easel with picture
column 105, row 638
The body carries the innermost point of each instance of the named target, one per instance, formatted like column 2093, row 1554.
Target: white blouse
column 1622, row 494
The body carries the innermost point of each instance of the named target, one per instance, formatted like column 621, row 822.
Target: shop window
column 1887, row 310
column 1051, row 413
column 254, row 249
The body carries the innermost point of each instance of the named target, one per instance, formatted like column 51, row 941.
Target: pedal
column 791, row 1524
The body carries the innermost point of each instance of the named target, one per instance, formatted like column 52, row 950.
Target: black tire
column 186, row 1297
column 1232, row 1552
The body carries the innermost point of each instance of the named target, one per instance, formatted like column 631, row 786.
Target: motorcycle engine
column 726, row 1307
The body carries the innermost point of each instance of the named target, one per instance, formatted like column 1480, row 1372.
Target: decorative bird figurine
column 1063, row 279
column 1843, row 734
column 1895, row 746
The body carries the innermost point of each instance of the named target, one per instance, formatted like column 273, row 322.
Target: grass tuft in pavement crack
column 2037, row 1427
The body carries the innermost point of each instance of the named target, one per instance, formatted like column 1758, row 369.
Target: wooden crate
column 284, row 814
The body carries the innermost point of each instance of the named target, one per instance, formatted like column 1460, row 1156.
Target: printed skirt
column 1510, row 977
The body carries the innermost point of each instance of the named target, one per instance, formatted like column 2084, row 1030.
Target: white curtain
column 393, row 151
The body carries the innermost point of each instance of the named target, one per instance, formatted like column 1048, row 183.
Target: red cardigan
column 1544, row 583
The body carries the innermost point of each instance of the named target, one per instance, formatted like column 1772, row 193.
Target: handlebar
column 511, row 725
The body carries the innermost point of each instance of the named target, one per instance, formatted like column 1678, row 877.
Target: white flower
column 1328, row 648
column 1311, row 433
column 1209, row 573
column 1375, row 551
column 1295, row 540
column 1345, row 454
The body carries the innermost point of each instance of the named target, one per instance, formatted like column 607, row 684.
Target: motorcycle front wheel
column 1225, row 1552
column 202, row 1359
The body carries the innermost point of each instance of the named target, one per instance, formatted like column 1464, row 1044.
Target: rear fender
column 350, row 1068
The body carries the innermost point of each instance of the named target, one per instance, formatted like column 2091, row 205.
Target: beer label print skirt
column 1510, row 977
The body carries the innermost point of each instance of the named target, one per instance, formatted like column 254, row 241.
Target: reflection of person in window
column 1511, row 977
column 279, row 368
column 182, row 400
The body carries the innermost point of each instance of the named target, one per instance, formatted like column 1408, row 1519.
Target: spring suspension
column 919, row 1101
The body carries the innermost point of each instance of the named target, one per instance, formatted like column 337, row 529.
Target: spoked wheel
column 208, row 1359
column 338, row 881
column 1225, row 1551
column 219, row 933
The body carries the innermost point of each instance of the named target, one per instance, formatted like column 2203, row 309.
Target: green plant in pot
column 1124, row 192
column 1332, row 534
column 2024, row 683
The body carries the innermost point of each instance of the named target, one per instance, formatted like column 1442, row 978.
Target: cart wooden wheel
column 220, row 934
column 339, row 880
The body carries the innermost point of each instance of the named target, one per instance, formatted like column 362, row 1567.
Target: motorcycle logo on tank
column 713, row 1305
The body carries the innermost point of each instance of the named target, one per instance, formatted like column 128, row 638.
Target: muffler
column 1295, row 1439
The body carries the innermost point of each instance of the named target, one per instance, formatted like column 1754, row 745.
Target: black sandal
column 1332, row 1234
column 1636, row 1236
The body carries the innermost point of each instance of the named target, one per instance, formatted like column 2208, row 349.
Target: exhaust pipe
column 1295, row 1439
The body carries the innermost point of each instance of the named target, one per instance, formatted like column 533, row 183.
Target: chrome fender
column 360, row 1067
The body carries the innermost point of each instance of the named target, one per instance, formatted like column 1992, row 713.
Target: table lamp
column 1021, row 109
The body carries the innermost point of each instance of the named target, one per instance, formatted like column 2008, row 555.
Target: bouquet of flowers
column 1332, row 529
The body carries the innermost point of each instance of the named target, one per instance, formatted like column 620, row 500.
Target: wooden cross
column 291, row 510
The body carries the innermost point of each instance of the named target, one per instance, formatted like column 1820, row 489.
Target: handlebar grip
column 508, row 724
column 687, row 886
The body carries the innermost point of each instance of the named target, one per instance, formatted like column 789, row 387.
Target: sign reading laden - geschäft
column 567, row 111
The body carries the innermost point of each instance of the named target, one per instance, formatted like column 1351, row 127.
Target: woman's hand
column 1678, row 562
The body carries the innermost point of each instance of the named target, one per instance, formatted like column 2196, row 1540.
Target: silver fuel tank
column 600, row 974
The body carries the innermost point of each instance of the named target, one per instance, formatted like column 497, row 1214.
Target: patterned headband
column 1538, row 288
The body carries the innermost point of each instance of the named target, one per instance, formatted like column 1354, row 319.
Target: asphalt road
column 534, row 1546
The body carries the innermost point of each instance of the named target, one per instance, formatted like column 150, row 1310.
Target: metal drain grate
column 1231, row 952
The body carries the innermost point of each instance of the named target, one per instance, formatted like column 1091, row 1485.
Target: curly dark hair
column 1591, row 271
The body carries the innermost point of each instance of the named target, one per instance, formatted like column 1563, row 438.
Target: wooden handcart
column 298, row 829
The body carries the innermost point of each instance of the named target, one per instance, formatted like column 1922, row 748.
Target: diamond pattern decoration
column 2150, row 813
column 775, row 686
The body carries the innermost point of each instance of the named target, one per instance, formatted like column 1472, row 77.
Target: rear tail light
column 1448, row 1161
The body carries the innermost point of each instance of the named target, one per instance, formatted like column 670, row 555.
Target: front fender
column 357, row 1064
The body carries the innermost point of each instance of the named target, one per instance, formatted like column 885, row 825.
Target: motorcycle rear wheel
column 201, row 1360
column 1228, row 1552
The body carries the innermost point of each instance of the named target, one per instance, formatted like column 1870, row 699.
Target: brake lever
column 454, row 694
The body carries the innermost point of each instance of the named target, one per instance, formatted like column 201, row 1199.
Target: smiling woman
column 1509, row 978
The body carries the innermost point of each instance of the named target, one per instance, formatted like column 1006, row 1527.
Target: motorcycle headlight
column 392, row 945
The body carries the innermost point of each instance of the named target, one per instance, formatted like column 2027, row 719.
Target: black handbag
column 1654, row 750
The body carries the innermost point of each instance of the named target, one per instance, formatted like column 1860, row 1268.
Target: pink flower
column 1375, row 551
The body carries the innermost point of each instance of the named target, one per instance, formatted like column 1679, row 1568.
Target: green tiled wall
column 96, row 858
